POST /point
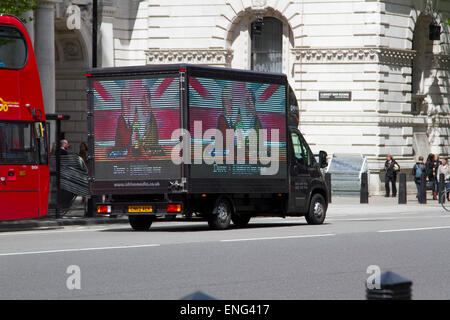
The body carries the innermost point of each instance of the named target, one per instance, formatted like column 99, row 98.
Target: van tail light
column 173, row 208
column 102, row 209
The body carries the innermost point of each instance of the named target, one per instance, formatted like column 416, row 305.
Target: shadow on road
column 202, row 226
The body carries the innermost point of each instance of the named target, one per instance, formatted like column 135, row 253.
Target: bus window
column 18, row 143
column 13, row 48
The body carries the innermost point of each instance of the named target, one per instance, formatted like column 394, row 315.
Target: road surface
column 272, row 258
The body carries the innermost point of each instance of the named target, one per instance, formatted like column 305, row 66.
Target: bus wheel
column 317, row 210
column 240, row 220
column 140, row 223
column 220, row 218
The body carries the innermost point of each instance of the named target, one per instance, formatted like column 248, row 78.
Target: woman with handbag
column 444, row 169
column 392, row 167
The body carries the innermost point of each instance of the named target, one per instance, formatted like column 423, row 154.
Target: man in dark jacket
column 64, row 146
column 417, row 171
column 391, row 166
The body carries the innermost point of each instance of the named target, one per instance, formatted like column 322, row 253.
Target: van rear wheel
column 220, row 219
column 317, row 210
column 140, row 223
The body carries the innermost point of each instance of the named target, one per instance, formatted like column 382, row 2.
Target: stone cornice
column 441, row 61
column 354, row 55
column 202, row 56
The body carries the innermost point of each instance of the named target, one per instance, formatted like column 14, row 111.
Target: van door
column 301, row 165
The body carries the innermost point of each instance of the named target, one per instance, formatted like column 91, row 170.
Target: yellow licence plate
column 137, row 209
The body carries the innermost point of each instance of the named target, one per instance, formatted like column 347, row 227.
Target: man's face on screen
column 135, row 102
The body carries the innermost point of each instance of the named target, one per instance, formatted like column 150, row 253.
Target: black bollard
column 364, row 192
column 91, row 207
column 328, row 183
column 423, row 188
column 441, row 187
column 402, row 189
column 392, row 287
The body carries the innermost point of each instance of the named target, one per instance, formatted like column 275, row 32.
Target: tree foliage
column 17, row 7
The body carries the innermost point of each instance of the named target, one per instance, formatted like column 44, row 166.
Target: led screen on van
column 134, row 120
column 238, row 129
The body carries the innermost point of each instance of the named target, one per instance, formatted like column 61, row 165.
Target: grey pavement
column 340, row 205
column 273, row 258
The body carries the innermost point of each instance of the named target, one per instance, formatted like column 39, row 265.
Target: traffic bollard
column 423, row 189
column 391, row 287
column 364, row 192
column 402, row 189
column 328, row 183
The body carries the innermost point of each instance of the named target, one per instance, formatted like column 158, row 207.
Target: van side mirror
column 323, row 159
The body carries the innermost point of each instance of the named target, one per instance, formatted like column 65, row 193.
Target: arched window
column 267, row 48
column 424, row 77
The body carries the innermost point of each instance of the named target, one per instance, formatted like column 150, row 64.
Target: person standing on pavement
column 445, row 170
column 417, row 171
column 64, row 146
column 392, row 167
column 83, row 152
column 436, row 164
column 431, row 178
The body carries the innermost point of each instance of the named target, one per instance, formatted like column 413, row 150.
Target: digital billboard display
column 134, row 120
column 237, row 128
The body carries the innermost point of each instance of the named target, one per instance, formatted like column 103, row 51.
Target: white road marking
column 414, row 229
column 77, row 250
column 277, row 238
column 389, row 218
column 21, row 233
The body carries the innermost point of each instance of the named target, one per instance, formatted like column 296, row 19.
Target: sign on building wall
column 335, row 96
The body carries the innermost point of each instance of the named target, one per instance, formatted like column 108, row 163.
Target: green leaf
column 17, row 7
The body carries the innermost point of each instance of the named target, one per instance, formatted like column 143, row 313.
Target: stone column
column 44, row 48
column 30, row 24
column 107, row 11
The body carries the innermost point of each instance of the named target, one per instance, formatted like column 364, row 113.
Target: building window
column 267, row 45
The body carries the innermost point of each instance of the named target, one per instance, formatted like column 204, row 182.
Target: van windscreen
column 13, row 49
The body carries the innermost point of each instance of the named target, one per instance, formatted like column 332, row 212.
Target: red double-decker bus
column 24, row 170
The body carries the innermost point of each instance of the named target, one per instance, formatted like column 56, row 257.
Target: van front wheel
column 317, row 210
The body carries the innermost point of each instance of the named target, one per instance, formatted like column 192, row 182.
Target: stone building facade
column 377, row 53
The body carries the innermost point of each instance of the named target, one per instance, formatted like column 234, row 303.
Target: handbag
column 430, row 185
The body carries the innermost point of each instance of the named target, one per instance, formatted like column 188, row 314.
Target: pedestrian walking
column 431, row 175
column 417, row 171
column 445, row 170
column 392, row 167
column 436, row 164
